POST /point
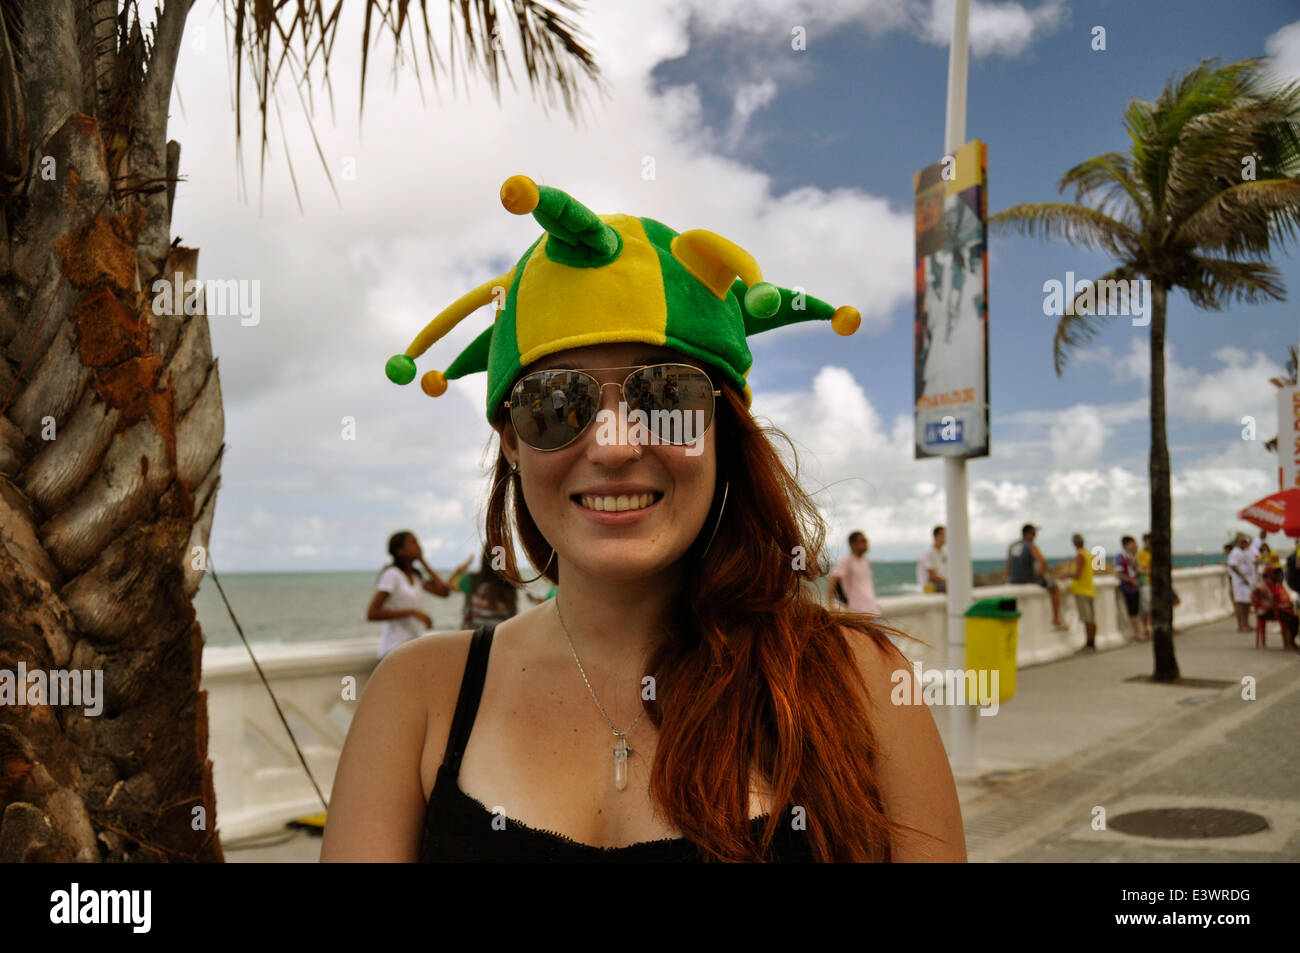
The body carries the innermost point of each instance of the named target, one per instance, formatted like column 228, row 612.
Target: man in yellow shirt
column 1083, row 589
column 1144, row 584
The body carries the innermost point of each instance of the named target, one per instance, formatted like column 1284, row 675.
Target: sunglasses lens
column 550, row 408
column 677, row 401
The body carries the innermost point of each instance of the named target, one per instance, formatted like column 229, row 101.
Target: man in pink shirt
column 853, row 574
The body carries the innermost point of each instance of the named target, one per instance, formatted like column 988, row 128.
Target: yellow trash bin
column 991, row 628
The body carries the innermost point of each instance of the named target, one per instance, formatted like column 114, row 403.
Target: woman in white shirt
column 398, row 590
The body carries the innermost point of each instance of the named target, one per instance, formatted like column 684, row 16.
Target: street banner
column 1288, row 436
column 950, row 356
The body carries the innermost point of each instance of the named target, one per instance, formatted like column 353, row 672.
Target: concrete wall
column 260, row 783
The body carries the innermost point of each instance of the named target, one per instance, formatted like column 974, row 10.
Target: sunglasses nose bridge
column 612, row 403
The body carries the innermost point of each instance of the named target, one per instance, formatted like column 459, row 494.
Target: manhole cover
column 1187, row 823
column 1004, row 777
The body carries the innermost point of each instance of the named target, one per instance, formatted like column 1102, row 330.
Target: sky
column 803, row 156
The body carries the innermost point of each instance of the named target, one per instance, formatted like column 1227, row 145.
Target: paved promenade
column 1079, row 736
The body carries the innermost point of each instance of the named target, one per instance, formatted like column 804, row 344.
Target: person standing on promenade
column 853, row 572
column 1144, row 584
column 398, row 590
column 932, row 567
column 1025, row 564
column 1084, row 591
column 1241, row 570
column 1126, row 569
column 1273, row 603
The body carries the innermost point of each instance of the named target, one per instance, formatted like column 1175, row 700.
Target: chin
column 624, row 560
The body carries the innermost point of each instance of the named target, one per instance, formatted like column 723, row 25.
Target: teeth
column 618, row 504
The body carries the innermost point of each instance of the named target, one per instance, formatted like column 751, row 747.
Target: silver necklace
column 621, row 749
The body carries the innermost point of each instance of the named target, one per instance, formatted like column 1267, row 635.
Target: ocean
column 276, row 608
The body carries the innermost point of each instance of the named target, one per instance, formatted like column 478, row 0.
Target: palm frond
column 1076, row 328
column 301, row 34
column 1108, row 180
column 1155, row 127
column 1076, row 224
column 1245, row 218
column 1249, row 141
column 1213, row 282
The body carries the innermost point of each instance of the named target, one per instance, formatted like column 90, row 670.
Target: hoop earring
column 524, row 582
column 514, row 472
column 726, row 487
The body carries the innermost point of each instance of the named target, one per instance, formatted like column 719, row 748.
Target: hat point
column 400, row 369
column 434, row 383
column 846, row 320
column 520, row 195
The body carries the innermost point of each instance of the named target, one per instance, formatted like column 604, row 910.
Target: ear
column 509, row 442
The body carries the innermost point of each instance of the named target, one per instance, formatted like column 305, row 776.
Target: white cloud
column 1283, row 48
column 1078, row 436
column 996, row 29
column 749, row 99
column 868, row 479
column 1239, row 386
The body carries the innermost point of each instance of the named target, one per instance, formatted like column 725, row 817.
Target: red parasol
column 1279, row 513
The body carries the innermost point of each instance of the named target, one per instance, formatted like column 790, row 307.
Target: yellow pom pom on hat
column 606, row 279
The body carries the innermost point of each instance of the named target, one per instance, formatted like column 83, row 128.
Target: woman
column 684, row 696
column 398, row 590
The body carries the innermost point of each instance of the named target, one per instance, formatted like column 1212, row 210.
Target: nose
column 610, row 442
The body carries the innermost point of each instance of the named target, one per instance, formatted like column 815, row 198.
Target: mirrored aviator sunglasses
column 666, row 404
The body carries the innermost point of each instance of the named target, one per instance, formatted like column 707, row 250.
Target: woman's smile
column 611, row 508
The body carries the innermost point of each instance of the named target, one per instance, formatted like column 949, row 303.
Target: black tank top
column 460, row 829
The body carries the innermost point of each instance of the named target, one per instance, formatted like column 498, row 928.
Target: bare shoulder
column 381, row 786
column 878, row 659
column 914, row 776
column 424, row 675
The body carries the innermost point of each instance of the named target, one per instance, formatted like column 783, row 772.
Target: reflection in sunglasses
column 665, row 404
column 638, row 428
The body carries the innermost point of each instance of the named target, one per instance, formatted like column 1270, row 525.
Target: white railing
column 1203, row 591
column 260, row 784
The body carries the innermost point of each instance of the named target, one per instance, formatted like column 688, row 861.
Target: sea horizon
column 277, row 607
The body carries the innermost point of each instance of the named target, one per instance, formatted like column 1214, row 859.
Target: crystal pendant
column 620, row 762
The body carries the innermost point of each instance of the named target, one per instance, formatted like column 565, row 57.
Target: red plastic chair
column 1262, row 618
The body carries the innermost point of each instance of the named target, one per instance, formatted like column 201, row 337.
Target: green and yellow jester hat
column 607, row 279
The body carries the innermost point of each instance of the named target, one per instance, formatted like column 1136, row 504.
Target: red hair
column 760, row 675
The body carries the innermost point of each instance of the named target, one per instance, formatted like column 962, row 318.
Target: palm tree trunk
column 111, row 431
column 1162, row 609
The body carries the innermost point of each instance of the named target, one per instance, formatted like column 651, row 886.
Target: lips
column 616, row 503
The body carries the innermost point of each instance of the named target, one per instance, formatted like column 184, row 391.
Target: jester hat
column 607, row 279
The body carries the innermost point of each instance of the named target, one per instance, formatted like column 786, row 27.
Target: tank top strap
column 471, row 690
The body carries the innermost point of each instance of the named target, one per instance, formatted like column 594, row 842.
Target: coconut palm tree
column 1208, row 185
column 111, row 422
